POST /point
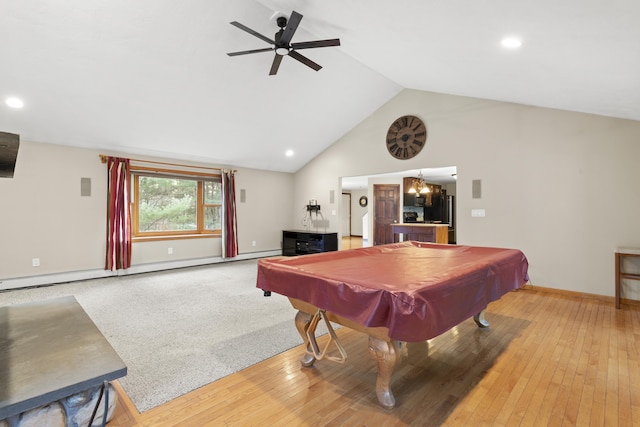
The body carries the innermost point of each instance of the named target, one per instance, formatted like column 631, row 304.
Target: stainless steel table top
column 49, row 350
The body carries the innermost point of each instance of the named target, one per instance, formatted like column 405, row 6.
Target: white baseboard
column 72, row 276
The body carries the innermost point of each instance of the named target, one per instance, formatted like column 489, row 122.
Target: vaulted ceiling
column 152, row 76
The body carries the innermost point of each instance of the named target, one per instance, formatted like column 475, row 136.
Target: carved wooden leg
column 386, row 354
column 302, row 322
column 480, row 320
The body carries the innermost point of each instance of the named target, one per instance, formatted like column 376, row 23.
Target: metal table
column 50, row 350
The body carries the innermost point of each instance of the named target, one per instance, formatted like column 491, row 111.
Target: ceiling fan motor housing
column 281, row 48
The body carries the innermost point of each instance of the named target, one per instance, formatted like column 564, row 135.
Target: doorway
column 386, row 207
column 363, row 225
column 345, row 216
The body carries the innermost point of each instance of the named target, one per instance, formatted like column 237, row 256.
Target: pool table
column 399, row 292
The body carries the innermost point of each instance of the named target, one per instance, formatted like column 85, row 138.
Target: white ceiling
column 152, row 76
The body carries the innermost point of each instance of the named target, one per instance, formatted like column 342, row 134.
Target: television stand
column 299, row 242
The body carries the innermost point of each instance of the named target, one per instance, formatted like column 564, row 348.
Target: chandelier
column 419, row 185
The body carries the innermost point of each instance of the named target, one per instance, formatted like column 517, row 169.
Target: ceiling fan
column 282, row 44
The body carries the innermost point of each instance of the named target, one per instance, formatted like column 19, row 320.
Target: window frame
column 199, row 177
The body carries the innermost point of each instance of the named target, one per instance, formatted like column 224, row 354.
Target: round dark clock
column 363, row 201
column 406, row 137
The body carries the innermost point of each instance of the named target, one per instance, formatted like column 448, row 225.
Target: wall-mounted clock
column 406, row 137
column 363, row 201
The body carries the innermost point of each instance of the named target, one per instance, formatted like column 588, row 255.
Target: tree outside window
column 175, row 205
column 212, row 205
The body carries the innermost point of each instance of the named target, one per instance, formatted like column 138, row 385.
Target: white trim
column 72, row 276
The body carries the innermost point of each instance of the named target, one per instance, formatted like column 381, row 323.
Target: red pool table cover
column 416, row 290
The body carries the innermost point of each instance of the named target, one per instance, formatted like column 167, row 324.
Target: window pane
column 212, row 193
column 167, row 204
column 212, row 218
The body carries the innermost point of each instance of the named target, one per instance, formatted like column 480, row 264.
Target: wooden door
column 386, row 202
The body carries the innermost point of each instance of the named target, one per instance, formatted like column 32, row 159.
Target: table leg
column 617, row 267
column 302, row 323
column 480, row 320
column 386, row 355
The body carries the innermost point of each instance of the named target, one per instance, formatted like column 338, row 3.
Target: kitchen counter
column 421, row 232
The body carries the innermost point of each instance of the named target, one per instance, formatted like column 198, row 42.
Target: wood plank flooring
column 351, row 242
column 547, row 359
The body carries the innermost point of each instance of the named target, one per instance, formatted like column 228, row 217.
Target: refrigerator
column 442, row 210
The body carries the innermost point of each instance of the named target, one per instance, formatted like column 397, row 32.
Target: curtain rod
column 103, row 159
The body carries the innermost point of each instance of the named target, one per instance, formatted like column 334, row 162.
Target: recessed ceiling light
column 288, row 153
column 14, row 102
column 511, row 42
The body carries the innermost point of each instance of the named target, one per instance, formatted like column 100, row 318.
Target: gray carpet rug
column 178, row 330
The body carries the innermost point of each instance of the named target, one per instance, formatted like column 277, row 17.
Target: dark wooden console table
column 51, row 350
column 300, row 242
column 619, row 255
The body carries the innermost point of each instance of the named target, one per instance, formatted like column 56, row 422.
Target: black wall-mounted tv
column 9, row 144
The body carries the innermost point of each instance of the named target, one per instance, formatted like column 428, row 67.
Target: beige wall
column 357, row 211
column 561, row 186
column 42, row 215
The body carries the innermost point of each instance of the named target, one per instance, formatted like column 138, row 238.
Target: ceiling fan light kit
column 282, row 45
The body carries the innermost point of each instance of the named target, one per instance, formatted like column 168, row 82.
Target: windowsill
column 173, row 237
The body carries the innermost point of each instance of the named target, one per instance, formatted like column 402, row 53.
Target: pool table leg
column 480, row 320
column 302, row 323
column 386, row 355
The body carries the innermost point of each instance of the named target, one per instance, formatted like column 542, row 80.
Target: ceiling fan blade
column 306, row 61
column 246, row 52
column 317, row 43
column 254, row 33
column 276, row 64
column 292, row 26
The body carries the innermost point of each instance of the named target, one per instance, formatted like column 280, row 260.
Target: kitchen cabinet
column 413, row 199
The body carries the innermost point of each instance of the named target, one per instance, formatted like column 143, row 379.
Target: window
column 170, row 205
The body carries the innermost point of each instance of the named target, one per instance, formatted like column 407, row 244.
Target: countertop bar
column 422, row 232
column 420, row 225
column 50, row 350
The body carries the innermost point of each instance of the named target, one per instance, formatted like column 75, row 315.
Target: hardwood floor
column 547, row 359
column 351, row 242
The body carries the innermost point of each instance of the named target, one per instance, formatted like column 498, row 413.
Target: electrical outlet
column 253, row 243
column 477, row 212
column 170, row 251
column 35, row 262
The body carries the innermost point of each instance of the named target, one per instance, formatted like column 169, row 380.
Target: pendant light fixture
column 419, row 185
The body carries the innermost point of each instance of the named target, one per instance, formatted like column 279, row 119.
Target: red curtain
column 229, row 227
column 118, row 215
